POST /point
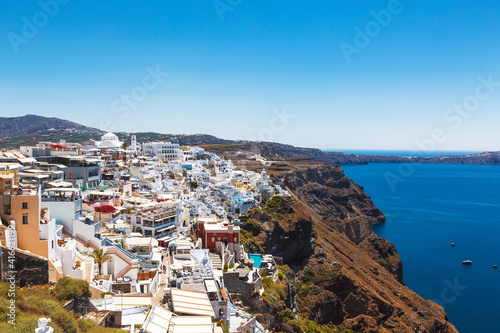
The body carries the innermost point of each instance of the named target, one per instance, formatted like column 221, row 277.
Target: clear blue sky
column 228, row 77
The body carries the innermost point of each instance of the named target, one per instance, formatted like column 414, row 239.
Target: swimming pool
column 257, row 258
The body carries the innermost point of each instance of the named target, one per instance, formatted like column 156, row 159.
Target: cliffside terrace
column 63, row 195
column 55, row 148
column 20, row 191
column 156, row 212
column 159, row 219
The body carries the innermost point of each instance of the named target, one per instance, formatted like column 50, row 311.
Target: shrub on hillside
column 68, row 288
column 66, row 321
column 274, row 202
column 24, row 324
column 86, row 324
column 38, row 302
column 308, row 275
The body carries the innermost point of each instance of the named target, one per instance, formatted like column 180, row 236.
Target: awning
column 27, row 160
column 191, row 303
column 60, row 184
column 26, row 175
column 158, row 320
column 211, row 286
column 99, row 193
column 188, row 324
column 62, row 190
column 141, row 241
column 125, row 302
column 160, row 228
column 13, row 165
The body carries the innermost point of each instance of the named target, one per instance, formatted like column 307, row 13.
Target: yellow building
column 22, row 205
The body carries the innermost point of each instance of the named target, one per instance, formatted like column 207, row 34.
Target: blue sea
column 430, row 206
column 418, row 153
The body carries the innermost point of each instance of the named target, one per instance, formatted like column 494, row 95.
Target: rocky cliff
column 281, row 228
column 339, row 202
column 345, row 276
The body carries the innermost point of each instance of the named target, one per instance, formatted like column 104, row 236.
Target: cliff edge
column 344, row 276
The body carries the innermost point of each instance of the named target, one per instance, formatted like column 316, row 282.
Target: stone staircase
column 216, row 261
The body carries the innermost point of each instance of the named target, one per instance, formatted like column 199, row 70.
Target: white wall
column 68, row 259
column 114, row 266
column 63, row 211
column 86, row 230
column 48, row 232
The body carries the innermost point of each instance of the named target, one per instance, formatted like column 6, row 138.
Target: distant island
column 30, row 129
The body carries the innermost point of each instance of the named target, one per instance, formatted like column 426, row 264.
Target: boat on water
column 467, row 262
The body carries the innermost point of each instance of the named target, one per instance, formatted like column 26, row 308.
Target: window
column 25, row 205
column 235, row 239
column 213, row 239
column 25, row 218
column 218, row 238
column 52, row 244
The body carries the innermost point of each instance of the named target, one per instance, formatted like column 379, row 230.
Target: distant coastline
column 349, row 157
column 405, row 153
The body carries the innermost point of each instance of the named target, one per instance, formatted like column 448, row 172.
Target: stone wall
column 235, row 285
column 121, row 288
column 29, row 269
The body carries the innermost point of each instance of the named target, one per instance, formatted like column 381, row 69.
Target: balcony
column 18, row 191
column 158, row 223
column 61, row 196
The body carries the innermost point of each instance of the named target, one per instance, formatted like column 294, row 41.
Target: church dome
column 109, row 140
column 109, row 137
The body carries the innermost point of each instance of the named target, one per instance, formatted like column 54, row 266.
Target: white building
column 109, row 140
column 65, row 205
column 156, row 220
column 166, row 151
column 193, row 152
column 134, row 147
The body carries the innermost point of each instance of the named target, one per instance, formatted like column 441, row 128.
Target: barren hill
column 19, row 126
